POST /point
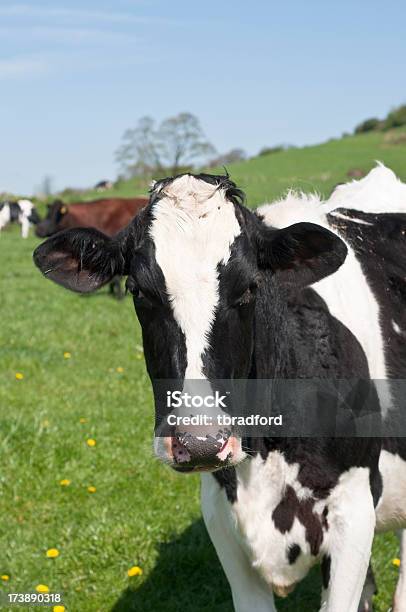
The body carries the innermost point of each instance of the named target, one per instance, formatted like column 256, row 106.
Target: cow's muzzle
column 199, row 450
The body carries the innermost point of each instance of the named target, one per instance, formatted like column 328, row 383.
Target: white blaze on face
column 193, row 229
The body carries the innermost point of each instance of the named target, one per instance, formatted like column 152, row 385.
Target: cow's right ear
column 81, row 259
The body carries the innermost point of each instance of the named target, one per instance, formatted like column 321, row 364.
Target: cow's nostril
column 179, row 452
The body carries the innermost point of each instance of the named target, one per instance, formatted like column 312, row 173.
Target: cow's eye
column 133, row 288
column 138, row 294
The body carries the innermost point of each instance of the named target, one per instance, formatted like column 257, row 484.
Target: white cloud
column 18, row 67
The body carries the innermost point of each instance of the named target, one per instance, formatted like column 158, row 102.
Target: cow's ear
column 300, row 254
column 81, row 259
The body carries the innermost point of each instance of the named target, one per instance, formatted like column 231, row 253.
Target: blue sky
column 74, row 75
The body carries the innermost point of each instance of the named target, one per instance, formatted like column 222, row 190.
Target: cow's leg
column 351, row 531
column 399, row 602
column 249, row 591
column 368, row 592
column 25, row 226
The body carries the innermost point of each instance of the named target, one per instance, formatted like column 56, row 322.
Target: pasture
column 84, row 378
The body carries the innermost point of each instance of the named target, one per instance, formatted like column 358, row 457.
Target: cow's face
column 194, row 259
column 50, row 225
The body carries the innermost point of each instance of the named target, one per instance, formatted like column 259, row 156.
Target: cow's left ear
column 81, row 259
column 300, row 254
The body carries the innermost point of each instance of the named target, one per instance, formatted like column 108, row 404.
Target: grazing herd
column 108, row 215
column 301, row 289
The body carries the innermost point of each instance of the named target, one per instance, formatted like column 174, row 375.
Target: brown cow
column 109, row 215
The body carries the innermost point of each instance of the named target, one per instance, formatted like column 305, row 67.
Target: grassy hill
column 318, row 167
column 81, row 375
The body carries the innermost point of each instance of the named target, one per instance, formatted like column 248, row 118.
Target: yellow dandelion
column 134, row 571
column 45, row 423
column 67, row 355
column 52, row 553
column 91, row 489
column 19, row 375
column 58, row 609
column 82, row 420
column 5, row 577
column 396, row 562
column 120, row 370
column 91, row 442
column 42, row 588
column 65, row 482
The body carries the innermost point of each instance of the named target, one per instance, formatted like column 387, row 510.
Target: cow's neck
column 272, row 354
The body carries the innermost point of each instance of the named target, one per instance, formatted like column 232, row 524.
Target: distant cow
column 108, row 215
column 22, row 212
column 103, row 185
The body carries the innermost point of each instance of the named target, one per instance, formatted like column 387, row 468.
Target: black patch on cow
column 380, row 246
column 235, row 311
column 291, row 507
column 325, row 570
column 293, row 553
column 285, row 512
column 15, row 211
column 324, row 519
column 227, row 478
column 34, row 217
column 164, row 342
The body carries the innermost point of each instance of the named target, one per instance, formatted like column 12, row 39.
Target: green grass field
column 141, row 514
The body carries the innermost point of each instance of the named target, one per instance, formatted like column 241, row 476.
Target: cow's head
column 194, row 259
column 50, row 225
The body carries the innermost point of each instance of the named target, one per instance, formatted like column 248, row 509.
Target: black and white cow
column 225, row 293
column 22, row 212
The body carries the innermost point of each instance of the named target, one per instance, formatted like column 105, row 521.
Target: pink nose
column 190, row 450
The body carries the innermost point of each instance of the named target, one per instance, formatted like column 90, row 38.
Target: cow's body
column 316, row 311
column 22, row 212
column 373, row 275
column 108, row 215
